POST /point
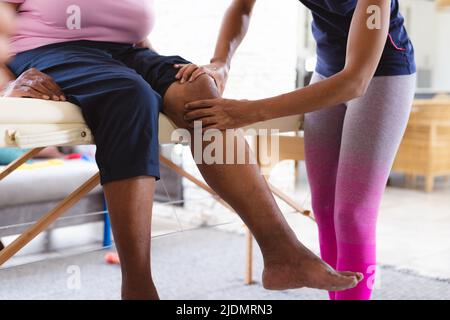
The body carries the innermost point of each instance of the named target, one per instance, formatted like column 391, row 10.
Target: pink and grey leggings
column 350, row 149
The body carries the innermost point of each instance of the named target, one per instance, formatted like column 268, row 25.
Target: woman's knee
column 178, row 95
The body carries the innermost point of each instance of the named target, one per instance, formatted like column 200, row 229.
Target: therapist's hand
column 222, row 113
column 217, row 70
column 34, row 84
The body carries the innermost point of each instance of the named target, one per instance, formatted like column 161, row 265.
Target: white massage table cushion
column 31, row 123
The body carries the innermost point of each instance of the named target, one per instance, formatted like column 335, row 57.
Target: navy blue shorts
column 119, row 89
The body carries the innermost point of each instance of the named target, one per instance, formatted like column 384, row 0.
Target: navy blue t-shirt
column 331, row 25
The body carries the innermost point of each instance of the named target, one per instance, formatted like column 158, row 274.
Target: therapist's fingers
column 207, row 123
column 181, row 69
column 185, row 72
column 190, row 69
column 200, row 104
column 198, row 114
column 197, row 73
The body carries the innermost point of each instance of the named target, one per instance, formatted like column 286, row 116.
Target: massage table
column 35, row 124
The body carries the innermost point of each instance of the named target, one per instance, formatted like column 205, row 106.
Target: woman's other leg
column 288, row 264
column 122, row 111
column 323, row 131
column 130, row 205
column 373, row 129
column 126, row 134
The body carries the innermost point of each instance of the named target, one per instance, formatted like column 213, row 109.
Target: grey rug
column 200, row 264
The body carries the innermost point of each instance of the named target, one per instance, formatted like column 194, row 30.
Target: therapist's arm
column 234, row 28
column 365, row 47
column 364, row 50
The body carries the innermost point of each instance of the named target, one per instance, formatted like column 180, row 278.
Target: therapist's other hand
column 221, row 114
column 217, row 70
column 34, row 84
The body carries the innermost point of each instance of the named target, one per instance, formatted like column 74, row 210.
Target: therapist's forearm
column 338, row 89
column 234, row 28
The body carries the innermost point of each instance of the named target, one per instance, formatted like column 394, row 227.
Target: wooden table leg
column 429, row 183
column 249, row 258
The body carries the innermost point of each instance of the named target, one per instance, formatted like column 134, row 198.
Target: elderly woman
column 95, row 54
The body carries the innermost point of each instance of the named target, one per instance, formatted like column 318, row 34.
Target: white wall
column 429, row 29
column 265, row 65
column 441, row 77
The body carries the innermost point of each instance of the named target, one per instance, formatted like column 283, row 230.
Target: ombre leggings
column 350, row 149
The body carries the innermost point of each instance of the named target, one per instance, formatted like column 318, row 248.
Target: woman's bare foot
column 302, row 268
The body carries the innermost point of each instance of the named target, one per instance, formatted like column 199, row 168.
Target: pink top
column 43, row 22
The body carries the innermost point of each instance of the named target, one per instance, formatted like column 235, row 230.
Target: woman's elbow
column 357, row 87
column 361, row 89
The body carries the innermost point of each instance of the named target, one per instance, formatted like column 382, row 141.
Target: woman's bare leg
column 288, row 264
column 130, row 207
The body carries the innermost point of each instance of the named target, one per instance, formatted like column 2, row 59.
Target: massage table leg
column 48, row 219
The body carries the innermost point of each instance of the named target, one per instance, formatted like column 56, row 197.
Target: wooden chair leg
column 249, row 258
column 429, row 183
column 18, row 162
column 48, row 219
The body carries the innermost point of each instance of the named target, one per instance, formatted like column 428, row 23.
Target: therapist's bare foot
column 303, row 268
